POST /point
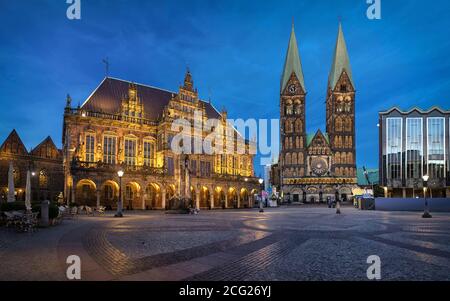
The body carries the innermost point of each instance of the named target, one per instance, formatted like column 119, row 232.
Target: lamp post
column 426, row 213
column 119, row 203
column 261, row 181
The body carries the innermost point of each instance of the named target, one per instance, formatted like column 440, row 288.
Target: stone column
column 163, row 198
column 238, row 199
column 404, row 192
column 143, row 196
column 226, row 198
column 211, row 198
column 72, row 199
column 197, row 199
column 98, row 197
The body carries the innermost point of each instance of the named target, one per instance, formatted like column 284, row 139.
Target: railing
column 105, row 167
column 239, row 178
column 102, row 115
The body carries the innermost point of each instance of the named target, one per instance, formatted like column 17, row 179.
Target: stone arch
column 109, row 194
column 170, row 191
column 232, row 197
column 86, row 192
column 219, row 197
column 204, row 195
column 131, row 196
column 153, row 196
column 245, row 197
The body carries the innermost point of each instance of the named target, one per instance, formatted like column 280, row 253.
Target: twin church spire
column 340, row 64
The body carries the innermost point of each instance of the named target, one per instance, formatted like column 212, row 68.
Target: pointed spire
column 341, row 61
column 188, row 82
column 292, row 62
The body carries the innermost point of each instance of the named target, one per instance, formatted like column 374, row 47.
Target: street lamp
column 426, row 213
column 261, row 200
column 119, row 203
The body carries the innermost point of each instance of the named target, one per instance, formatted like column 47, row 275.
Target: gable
column 13, row 145
column 46, row 149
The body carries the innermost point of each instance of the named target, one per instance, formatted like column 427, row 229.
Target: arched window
column 298, row 125
column 337, row 157
column 288, row 159
column 294, row 158
column 43, row 179
column 16, row 176
column 338, row 124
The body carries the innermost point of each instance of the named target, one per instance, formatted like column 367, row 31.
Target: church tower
column 292, row 114
column 340, row 111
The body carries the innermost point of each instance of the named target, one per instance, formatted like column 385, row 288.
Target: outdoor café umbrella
column 11, row 197
column 28, row 192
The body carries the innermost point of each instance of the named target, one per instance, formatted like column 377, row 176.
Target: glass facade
column 414, row 148
column 394, row 148
column 436, row 147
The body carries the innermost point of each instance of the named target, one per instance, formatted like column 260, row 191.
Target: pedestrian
column 338, row 207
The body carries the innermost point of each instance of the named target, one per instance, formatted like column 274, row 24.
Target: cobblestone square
column 295, row 243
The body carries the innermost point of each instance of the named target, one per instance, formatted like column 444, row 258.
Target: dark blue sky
column 235, row 50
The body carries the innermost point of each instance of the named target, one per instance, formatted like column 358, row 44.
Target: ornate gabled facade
column 45, row 163
column 123, row 125
column 315, row 166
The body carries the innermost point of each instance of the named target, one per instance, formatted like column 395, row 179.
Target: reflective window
column 414, row 148
column 149, row 151
column 109, row 149
column 130, row 151
column 90, row 147
column 436, row 147
column 394, row 147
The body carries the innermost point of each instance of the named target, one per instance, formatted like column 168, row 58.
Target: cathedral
column 314, row 166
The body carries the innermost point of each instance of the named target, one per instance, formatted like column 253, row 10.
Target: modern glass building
column 412, row 144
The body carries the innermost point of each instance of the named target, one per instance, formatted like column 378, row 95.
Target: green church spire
column 292, row 63
column 341, row 62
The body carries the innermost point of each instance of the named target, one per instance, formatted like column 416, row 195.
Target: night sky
column 234, row 49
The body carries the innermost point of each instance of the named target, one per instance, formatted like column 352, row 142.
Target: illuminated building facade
column 414, row 143
column 44, row 162
column 315, row 166
column 123, row 125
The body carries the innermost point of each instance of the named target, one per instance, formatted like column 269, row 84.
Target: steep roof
column 107, row 98
column 46, row 149
column 13, row 144
column 292, row 63
column 341, row 61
